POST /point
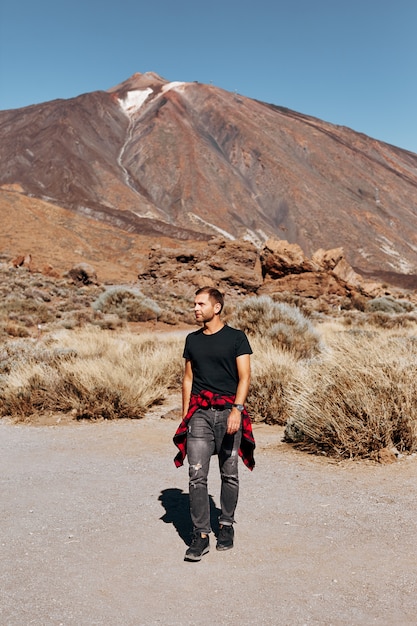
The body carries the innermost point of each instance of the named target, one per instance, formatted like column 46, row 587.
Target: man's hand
column 233, row 421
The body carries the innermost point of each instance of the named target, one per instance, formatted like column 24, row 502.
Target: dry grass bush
column 388, row 304
column 380, row 319
column 279, row 323
column 27, row 300
column 110, row 321
column 318, row 308
column 26, row 310
column 310, row 307
column 175, row 307
column 90, row 373
column 389, row 320
column 345, row 386
column 360, row 397
column 15, row 329
column 129, row 304
column 273, row 373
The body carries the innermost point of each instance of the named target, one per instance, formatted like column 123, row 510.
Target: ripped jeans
column 206, row 436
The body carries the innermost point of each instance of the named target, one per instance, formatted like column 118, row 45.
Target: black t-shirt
column 213, row 359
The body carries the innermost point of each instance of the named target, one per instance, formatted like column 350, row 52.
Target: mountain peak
column 134, row 92
column 149, row 80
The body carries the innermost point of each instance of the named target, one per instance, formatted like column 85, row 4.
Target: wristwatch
column 239, row 407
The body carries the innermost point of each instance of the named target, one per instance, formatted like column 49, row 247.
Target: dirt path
column 94, row 517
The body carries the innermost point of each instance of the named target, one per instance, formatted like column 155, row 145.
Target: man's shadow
column 177, row 512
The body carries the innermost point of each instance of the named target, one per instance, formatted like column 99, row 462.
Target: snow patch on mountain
column 134, row 100
column 174, row 85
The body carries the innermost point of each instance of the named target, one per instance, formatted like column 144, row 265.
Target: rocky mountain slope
column 152, row 161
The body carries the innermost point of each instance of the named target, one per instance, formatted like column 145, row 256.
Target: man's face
column 205, row 309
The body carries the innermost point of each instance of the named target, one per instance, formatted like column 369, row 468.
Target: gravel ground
column 94, row 524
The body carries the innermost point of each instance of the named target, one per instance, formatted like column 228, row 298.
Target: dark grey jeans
column 206, row 436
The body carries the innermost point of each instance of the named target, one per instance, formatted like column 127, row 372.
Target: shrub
column 358, row 302
column 16, row 330
column 387, row 304
column 273, row 372
column 22, row 309
column 92, row 374
column 175, row 307
column 389, row 320
column 111, row 321
column 361, row 397
column 285, row 326
column 128, row 304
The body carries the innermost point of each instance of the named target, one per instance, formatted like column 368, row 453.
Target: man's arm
column 243, row 371
column 187, row 383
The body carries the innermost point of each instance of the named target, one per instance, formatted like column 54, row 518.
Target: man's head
column 208, row 303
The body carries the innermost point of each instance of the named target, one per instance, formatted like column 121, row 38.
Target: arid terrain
column 115, row 207
column 95, row 523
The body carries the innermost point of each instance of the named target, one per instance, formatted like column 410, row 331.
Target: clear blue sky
column 352, row 62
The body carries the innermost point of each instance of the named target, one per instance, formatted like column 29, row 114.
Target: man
column 215, row 385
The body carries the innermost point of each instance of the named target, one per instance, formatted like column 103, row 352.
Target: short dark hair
column 214, row 294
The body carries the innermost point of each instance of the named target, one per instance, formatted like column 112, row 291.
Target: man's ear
column 217, row 308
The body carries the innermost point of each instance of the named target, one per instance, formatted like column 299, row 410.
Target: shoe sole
column 222, row 548
column 191, row 557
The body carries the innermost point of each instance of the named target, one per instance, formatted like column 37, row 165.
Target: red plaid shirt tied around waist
column 205, row 400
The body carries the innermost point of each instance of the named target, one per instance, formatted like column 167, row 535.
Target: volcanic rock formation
column 240, row 268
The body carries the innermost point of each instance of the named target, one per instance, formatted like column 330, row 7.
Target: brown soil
column 95, row 521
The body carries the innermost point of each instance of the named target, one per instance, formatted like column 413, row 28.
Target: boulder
column 279, row 258
column 49, row 270
column 83, row 274
column 23, row 261
column 221, row 263
column 328, row 259
column 345, row 272
column 306, row 284
column 386, row 455
column 235, row 262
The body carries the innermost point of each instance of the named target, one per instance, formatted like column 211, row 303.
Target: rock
column 221, row 263
column 344, row 271
column 22, row 261
column 307, row 284
column 48, row 270
column 239, row 267
column 328, row 259
column 373, row 289
column 279, row 258
column 14, row 187
column 84, row 274
column 286, row 268
column 386, row 455
column 235, row 262
column 173, row 414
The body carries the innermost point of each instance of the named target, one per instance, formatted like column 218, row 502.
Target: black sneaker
column 225, row 538
column 199, row 546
